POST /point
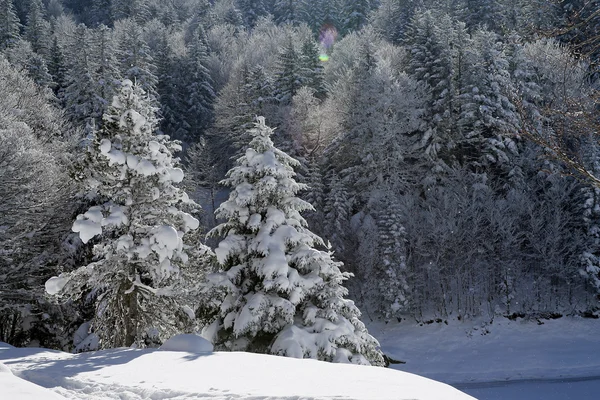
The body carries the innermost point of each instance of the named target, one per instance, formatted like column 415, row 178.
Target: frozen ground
column 129, row 374
column 559, row 359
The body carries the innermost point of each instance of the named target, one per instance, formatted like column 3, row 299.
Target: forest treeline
column 423, row 130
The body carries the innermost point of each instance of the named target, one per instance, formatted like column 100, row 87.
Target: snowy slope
column 152, row 374
column 12, row 387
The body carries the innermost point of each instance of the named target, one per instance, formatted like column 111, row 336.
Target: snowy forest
column 264, row 169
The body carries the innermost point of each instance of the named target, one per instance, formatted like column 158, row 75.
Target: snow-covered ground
column 559, row 359
column 517, row 360
column 130, row 374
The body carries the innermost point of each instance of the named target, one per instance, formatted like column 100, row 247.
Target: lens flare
column 327, row 36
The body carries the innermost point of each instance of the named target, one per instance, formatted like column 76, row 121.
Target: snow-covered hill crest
column 149, row 374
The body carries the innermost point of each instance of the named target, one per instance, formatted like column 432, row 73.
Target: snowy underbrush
column 502, row 349
column 160, row 374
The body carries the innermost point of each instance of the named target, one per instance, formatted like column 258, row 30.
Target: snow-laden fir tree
column 9, row 24
column 80, row 97
column 57, row 68
column 488, row 120
column 200, row 93
column 276, row 292
column 106, row 75
column 135, row 59
column 289, row 78
column 142, row 248
column 286, row 11
column 37, row 29
column 391, row 287
column 355, row 14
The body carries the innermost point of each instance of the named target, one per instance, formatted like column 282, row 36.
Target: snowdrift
column 150, row 374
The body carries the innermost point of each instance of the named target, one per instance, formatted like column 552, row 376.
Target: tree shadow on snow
column 51, row 372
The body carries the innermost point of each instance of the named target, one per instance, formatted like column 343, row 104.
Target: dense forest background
column 437, row 140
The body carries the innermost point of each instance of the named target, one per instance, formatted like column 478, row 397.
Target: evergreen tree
column 319, row 14
column 106, row 74
column 429, row 40
column 37, row 29
column 251, row 11
column 142, row 251
column 133, row 53
column 200, row 93
column 315, row 192
column 9, row 24
column 203, row 176
column 488, row 117
column 244, row 97
column 171, row 88
column 311, row 70
column 391, row 287
column 57, row 67
column 483, row 14
column 392, row 18
column 355, row 14
column 289, row 78
column 100, row 13
column 286, row 11
column 337, row 209
column 81, row 96
column 38, row 71
column 134, row 9
column 278, row 293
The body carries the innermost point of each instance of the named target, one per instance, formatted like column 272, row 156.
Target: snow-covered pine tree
column 172, row 101
column 200, row 93
column 391, row 19
column 286, row 11
column 249, row 94
column 135, row 9
column 319, row 13
column 9, row 24
column 142, row 252
column 431, row 63
column 133, row 53
column 100, row 13
column 277, row 292
column 106, row 75
column 337, row 209
column 57, row 68
column 38, row 71
column 251, row 11
column 488, row 120
column 391, row 286
column 355, row 14
column 81, row 96
column 289, row 78
column 37, row 29
column 311, row 70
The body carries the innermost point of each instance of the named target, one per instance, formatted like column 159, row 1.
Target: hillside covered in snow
column 155, row 374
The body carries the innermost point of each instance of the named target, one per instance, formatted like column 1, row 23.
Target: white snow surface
column 505, row 350
column 86, row 228
column 55, row 284
column 134, row 374
column 12, row 387
column 189, row 343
